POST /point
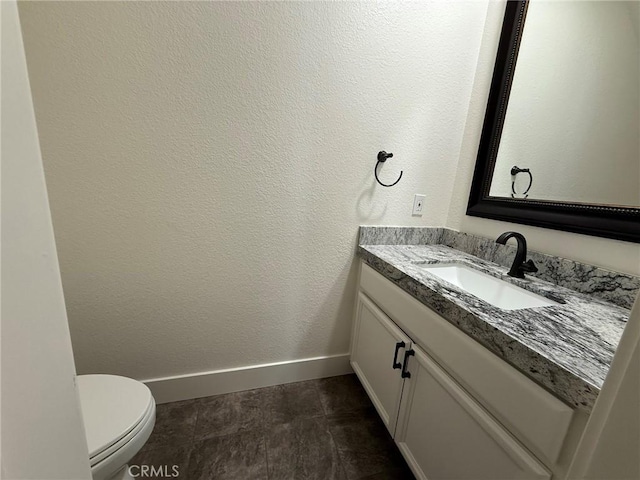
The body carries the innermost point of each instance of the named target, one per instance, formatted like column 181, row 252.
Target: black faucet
column 519, row 266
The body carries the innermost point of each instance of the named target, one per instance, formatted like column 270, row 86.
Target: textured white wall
column 42, row 431
column 209, row 163
column 611, row 254
column 574, row 108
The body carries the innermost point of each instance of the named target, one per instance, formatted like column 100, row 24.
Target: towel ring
column 382, row 157
column 515, row 171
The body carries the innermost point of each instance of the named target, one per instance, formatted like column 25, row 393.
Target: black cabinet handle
column 407, row 354
column 396, row 363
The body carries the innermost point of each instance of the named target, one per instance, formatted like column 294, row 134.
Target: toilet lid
column 111, row 407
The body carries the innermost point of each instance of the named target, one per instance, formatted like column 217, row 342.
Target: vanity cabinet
column 455, row 410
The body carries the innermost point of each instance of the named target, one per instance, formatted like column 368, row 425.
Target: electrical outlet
column 418, row 204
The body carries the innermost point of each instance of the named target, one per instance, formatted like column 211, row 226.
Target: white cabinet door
column 444, row 434
column 377, row 354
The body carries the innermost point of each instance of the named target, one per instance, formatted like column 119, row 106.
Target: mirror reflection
column 572, row 123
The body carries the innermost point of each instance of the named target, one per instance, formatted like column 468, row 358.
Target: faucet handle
column 529, row 267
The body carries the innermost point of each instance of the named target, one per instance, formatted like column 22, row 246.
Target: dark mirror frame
column 619, row 222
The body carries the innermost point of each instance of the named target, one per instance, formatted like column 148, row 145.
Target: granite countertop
column 566, row 348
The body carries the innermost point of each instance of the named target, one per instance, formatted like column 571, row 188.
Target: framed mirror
column 560, row 144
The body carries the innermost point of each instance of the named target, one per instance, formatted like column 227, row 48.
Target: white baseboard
column 204, row 384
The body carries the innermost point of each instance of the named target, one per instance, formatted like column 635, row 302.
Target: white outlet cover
column 418, row 204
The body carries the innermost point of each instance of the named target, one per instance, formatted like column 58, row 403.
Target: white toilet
column 119, row 414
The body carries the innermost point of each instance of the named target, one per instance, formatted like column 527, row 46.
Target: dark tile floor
column 319, row 429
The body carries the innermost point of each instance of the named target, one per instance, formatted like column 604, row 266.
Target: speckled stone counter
column 614, row 287
column 566, row 348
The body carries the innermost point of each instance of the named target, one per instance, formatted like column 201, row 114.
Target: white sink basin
column 490, row 289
